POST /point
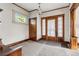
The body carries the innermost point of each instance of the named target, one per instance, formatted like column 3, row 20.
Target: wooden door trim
column 50, row 17
column 35, row 18
column 73, row 44
column 72, row 18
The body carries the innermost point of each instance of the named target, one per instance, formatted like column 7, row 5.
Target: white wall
column 38, row 27
column 12, row 32
column 35, row 14
column 64, row 11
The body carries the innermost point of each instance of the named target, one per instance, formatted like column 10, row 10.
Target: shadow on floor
column 53, row 43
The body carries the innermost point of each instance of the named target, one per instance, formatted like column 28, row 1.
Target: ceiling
column 44, row 6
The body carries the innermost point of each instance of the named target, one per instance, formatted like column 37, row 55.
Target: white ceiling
column 44, row 6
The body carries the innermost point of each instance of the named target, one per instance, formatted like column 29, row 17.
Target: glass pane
column 51, row 27
column 60, row 29
column 43, row 27
column 20, row 17
column 33, row 22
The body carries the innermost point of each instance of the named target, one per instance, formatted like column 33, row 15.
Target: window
column 43, row 26
column 51, row 27
column 60, row 28
column 20, row 18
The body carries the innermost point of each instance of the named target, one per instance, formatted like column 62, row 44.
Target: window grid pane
column 60, row 30
column 51, row 27
column 44, row 26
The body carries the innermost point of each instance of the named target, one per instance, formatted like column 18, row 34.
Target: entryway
column 53, row 28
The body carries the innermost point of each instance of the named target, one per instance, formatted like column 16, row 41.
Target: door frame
column 50, row 17
column 72, row 23
column 35, row 18
column 72, row 18
column 51, row 37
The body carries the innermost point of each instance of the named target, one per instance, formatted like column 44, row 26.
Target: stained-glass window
column 21, row 18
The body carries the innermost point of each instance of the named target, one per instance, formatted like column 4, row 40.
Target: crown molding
column 37, row 9
column 20, row 7
column 55, row 9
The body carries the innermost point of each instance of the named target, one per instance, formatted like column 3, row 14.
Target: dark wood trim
column 16, row 43
column 74, row 6
column 37, row 9
column 66, row 42
column 51, row 10
column 72, row 17
column 33, row 10
column 46, row 30
column 73, row 40
column 55, row 9
column 17, row 52
column 35, row 18
column 20, row 7
column 56, row 25
column 50, row 17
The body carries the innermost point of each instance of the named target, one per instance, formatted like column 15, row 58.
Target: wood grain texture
column 17, row 52
column 15, row 43
column 73, row 40
column 33, row 29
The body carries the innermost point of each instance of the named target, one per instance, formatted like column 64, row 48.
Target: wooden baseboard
column 13, row 44
column 67, row 42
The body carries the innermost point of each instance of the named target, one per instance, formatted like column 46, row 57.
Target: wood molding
column 47, row 17
column 72, row 22
column 72, row 17
column 16, row 43
column 51, row 10
column 37, row 9
column 33, row 29
column 74, row 6
column 55, row 9
column 56, row 26
column 66, row 42
column 33, row 10
column 20, row 7
column 17, row 52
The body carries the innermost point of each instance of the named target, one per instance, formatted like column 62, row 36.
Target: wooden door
column 51, row 29
column 60, row 28
column 32, row 29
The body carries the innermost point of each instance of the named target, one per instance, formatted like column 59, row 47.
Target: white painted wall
column 35, row 14
column 38, row 27
column 64, row 11
column 12, row 32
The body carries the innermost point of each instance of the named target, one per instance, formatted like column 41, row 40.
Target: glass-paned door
column 60, row 27
column 43, row 26
column 51, row 29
